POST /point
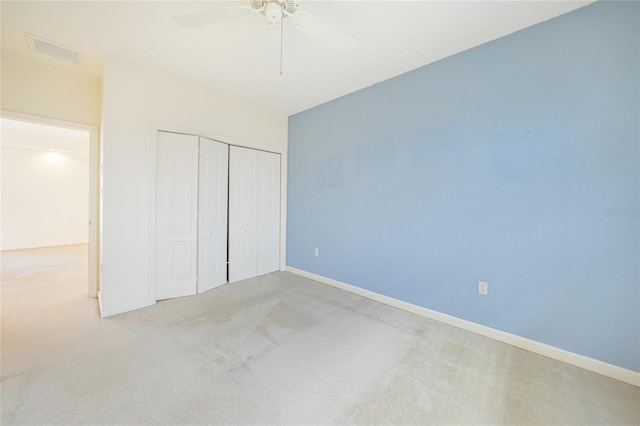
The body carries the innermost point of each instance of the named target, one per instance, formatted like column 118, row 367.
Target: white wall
column 39, row 88
column 134, row 101
column 45, row 188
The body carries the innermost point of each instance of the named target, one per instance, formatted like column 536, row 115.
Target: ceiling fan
column 275, row 12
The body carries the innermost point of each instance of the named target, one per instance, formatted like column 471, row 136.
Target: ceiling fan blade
column 198, row 19
column 324, row 32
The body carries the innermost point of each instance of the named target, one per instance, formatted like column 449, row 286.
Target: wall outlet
column 316, row 252
column 483, row 288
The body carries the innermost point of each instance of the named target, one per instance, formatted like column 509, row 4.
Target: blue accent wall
column 515, row 163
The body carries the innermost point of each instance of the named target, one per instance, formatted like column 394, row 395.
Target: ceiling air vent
column 46, row 47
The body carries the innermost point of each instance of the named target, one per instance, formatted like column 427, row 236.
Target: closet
column 217, row 211
column 254, row 213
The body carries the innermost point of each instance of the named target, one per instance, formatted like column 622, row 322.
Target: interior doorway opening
column 49, row 187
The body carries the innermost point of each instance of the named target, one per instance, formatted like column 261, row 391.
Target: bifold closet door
column 176, row 215
column 212, row 216
column 191, row 215
column 268, row 212
column 254, row 213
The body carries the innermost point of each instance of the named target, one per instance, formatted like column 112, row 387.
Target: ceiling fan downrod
column 276, row 11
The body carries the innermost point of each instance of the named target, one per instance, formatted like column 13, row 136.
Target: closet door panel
column 243, row 184
column 268, row 212
column 212, row 214
column 176, row 215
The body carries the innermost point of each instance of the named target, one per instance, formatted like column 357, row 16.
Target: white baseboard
column 628, row 376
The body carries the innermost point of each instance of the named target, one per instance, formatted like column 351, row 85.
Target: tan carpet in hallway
column 277, row 349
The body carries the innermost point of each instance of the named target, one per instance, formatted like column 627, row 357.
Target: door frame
column 231, row 141
column 94, row 226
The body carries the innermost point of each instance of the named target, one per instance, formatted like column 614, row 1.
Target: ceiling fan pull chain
column 281, row 42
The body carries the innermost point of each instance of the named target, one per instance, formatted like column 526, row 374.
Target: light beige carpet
column 277, row 349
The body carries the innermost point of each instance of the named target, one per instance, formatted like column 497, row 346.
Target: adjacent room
column 45, row 202
column 45, row 186
column 320, row 212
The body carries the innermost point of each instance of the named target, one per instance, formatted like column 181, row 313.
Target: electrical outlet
column 316, row 252
column 483, row 288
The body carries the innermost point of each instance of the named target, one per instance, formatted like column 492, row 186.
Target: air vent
column 46, row 47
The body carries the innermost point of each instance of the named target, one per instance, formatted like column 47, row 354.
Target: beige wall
column 41, row 89
column 135, row 102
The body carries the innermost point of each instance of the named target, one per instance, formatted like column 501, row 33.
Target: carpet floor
column 277, row 349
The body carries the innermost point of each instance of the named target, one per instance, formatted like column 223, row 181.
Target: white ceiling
column 240, row 59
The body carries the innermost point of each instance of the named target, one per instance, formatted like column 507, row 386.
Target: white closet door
column 176, row 215
column 212, row 215
column 254, row 213
column 243, row 183
column 268, row 212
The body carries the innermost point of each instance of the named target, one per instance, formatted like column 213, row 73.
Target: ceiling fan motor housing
column 274, row 9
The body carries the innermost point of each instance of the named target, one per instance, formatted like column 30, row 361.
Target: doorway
column 49, row 174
